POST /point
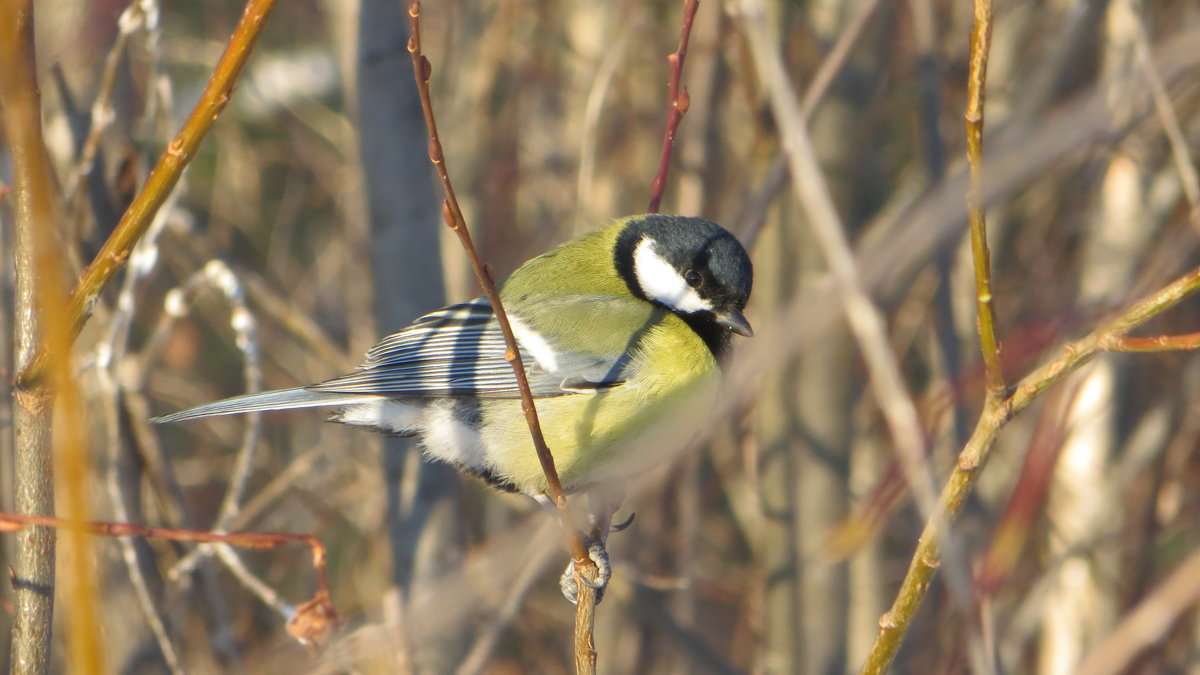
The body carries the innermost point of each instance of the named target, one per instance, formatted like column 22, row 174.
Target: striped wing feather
column 459, row 351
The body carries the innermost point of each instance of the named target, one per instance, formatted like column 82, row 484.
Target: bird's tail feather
column 280, row 399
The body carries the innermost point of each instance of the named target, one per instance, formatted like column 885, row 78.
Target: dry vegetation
column 308, row 225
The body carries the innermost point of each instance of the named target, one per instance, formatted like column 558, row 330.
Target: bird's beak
column 735, row 321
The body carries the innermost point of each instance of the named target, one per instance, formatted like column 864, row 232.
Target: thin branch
column 453, row 216
column 110, row 356
column 894, row 625
column 585, row 570
column 179, row 152
column 489, row 633
column 981, row 39
column 132, row 19
column 982, row 655
column 116, row 495
column 245, row 329
column 1188, row 177
column 677, row 105
column 306, row 618
column 1161, row 343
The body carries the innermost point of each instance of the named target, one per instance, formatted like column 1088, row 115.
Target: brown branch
column 40, row 326
column 308, row 616
column 981, row 39
column 925, row 560
column 179, row 152
column 1161, row 343
column 677, row 105
column 453, row 216
column 585, row 619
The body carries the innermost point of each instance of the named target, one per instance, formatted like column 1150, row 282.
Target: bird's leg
column 602, row 507
column 568, row 582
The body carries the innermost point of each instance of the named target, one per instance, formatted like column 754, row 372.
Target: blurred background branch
column 777, row 541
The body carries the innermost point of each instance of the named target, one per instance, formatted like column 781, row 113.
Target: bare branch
column 894, row 624
column 1161, row 343
column 981, row 39
column 179, row 152
column 454, row 219
column 677, row 105
column 306, row 617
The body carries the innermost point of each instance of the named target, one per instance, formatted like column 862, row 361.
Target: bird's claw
column 568, row 581
column 624, row 524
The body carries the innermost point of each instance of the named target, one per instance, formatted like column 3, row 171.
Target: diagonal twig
column 894, row 624
column 179, row 152
column 454, row 219
column 586, row 571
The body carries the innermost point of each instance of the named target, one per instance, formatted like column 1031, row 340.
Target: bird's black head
column 691, row 266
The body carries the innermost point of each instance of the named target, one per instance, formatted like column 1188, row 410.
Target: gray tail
column 280, row 399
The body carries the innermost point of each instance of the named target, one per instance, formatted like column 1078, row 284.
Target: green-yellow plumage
column 619, row 328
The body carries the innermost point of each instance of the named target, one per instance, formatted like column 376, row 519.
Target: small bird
column 617, row 329
column 612, row 326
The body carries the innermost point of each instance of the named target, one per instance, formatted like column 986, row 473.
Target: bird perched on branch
column 615, row 327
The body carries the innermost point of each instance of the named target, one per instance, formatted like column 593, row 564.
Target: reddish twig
column 453, row 217
column 1028, row 496
column 585, row 570
column 1161, row 343
column 311, row 620
column 677, row 105
column 178, row 154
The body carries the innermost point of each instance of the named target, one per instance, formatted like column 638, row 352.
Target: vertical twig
column 981, row 40
column 33, row 203
column 895, row 622
column 677, row 105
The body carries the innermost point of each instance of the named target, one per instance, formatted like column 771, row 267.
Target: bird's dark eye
column 693, row 278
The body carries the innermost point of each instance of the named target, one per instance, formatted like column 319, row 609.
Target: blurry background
column 309, row 226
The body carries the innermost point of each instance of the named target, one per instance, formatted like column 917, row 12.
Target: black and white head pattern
column 692, row 267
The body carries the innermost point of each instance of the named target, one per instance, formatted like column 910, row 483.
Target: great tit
column 614, row 327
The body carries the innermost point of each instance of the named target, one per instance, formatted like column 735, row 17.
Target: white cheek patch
column 661, row 282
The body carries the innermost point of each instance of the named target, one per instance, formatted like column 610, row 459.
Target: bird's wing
column 459, row 351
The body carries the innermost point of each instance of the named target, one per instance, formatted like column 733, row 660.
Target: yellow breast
column 672, row 371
